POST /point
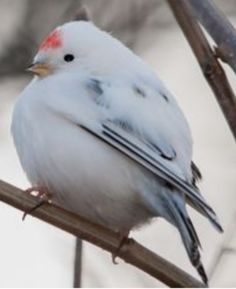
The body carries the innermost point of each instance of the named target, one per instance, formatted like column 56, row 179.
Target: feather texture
column 107, row 139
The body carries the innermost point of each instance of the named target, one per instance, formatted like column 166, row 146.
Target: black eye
column 69, row 57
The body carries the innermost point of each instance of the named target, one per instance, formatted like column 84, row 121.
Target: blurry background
column 34, row 254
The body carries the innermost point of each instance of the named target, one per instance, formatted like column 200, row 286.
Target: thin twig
column 82, row 14
column 224, row 248
column 220, row 29
column 78, row 263
column 132, row 252
column 207, row 59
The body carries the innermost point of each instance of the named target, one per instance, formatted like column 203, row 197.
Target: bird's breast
column 84, row 174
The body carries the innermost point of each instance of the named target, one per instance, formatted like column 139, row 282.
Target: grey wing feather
column 136, row 150
column 163, row 148
column 197, row 176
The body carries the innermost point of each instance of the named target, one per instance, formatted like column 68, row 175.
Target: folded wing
column 141, row 153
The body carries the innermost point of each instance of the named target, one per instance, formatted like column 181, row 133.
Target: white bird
column 99, row 131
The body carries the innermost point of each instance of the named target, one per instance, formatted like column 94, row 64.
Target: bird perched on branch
column 98, row 133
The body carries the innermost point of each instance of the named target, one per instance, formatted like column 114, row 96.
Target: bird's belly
column 85, row 175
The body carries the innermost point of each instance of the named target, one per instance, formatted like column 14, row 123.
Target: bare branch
column 82, row 14
column 132, row 252
column 211, row 67
column 78, row 263
column 220, row 29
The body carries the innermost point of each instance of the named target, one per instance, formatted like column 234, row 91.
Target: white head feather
column 95, row 51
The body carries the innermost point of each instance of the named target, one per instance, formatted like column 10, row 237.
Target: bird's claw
column 42, row 194
column 114, row 256
column 124, row 240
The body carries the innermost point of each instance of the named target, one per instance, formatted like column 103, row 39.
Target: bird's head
column 74, row 46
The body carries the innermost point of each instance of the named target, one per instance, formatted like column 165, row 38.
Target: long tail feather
column 211, row 216
column 179, row 217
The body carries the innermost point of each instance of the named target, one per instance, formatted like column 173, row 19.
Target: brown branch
column 220, row 29
column 132, row 252
column 207, row 59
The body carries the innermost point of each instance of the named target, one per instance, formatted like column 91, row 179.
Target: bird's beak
column 40, row 68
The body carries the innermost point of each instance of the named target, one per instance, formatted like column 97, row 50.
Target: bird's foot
column 43, row 197
column 124, row 240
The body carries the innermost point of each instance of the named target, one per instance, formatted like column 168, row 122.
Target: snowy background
column 34, row 254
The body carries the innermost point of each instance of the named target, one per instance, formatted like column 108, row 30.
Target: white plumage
column 106, row 138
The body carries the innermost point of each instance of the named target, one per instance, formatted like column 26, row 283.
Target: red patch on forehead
column 52, row 41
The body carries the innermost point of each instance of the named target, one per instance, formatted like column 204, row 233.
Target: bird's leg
column 43, row 196
column 124, row 239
